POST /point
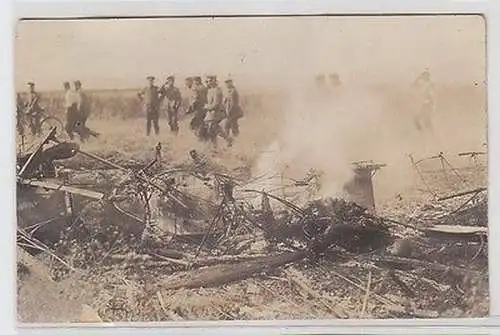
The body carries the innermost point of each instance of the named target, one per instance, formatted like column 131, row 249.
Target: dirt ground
column 311, row 289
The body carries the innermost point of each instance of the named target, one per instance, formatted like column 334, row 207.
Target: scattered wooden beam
column 457, row 231
column 218, row 275
column 52, row 185
column 456, row 195
column 37, row 151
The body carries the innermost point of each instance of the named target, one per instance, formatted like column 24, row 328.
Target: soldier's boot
column 148, row 127
column 229, row 141
column 156, row 126
column 236, row 128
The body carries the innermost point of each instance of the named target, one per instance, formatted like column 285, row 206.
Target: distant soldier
column 33, row 110
column 215, row 111
column 173, row 99
column 199, row 95
column 321, row 82
column 424, row 89
column 233, row 109
column 334, row 79
column 202, row 89
column 150, row 96
column 82, row 102
column 70, row 108
column 190, row 95
column 186, row 100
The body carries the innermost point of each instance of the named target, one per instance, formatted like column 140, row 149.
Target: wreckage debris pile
column 292, row 263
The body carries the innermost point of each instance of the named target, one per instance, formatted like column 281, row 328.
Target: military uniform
column 233, row 111
column 214, row 105
column 203, row 92
column 34, row 111
column 71, row 112
column 215, row 113
column 198, row 100
column 82, row 106
column 150, row 96
column 173, row 100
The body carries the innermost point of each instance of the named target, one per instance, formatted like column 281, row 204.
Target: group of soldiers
column 214, row 113
column 76, row 104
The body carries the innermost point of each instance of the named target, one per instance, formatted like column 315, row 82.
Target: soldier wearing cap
column 150, row 96
column 215, row 111
column 202, row 89
column 33, row 110
column 198, row 101
column 173, row 100
column 192, row 101
column 233, row 109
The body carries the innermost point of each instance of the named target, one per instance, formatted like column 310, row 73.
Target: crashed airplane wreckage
column 199, row 216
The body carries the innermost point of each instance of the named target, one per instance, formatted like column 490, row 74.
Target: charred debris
column 204, row 224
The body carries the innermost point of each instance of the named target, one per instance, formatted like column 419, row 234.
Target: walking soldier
column 215, row 111
column 173, row 98
column 150, row 96
column 233, row 109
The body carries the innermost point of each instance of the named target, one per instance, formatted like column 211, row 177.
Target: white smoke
column 328, row 133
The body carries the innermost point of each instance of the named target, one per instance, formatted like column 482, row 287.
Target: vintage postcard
column 251, row 168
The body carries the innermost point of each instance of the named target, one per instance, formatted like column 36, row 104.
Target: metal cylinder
column 360, row 187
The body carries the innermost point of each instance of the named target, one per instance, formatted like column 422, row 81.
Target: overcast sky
column 120, row 53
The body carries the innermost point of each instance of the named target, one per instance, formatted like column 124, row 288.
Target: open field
column 283, row 135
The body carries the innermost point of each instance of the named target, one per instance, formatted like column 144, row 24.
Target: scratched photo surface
column 251, row 168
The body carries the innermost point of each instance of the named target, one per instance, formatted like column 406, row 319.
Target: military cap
column 30, row 83
column 150, row 78
column 78, row 83
column 170, row 78
column 197, row 78
column 211, row 77
column 228, row 81
column 189, row 78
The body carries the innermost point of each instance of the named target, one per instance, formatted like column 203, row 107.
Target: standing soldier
column 173, row 100
column 202, row 89
column 150, row 96
column 233, row 109
column 33, row 110
column 82, row 106
column 187, row 100
column 192, row 101
column 70, row 107
column 424, row 89
column 215, row 111
column 199, row 94
column 334, row 80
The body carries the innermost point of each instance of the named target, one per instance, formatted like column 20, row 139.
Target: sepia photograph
column 251, row 168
